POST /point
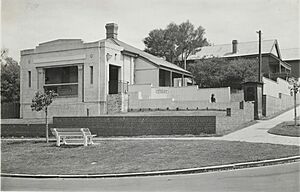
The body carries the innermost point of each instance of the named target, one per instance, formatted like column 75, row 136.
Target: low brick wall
column 25, row 130
column 136, row 104
column 141, row 125
column 238, row 117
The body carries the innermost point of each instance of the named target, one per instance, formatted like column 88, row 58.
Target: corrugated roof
column 290, row 54
column 156, row 60
column 225, row 50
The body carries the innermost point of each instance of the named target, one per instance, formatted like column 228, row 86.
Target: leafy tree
column 239, row 71
column 208, row 72
column 176, row 41
column 220, row 72
column 295, row 86
column 10, row 78
column 41, row 101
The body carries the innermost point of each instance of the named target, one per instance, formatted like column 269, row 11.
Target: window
column 29, row 78
column 62, row 80
column 91, row 74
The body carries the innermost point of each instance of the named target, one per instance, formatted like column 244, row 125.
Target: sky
column 26, row 23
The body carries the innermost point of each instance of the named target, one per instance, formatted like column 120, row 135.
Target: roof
column 156, row 60
column 244, row 48
column 290, row 54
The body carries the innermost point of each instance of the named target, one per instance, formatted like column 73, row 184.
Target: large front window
column 63, row 80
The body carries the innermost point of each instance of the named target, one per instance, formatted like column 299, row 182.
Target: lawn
column 37, row 157
column 287, row 128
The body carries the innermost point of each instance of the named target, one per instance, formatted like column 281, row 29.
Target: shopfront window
column 63, row 80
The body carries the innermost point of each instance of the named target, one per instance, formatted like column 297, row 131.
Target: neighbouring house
column 90, row 78
column 272, row 63
column 292, row 57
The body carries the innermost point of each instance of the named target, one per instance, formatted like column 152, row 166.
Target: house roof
column 290, row 54
column 244, row 48
column 156, row 60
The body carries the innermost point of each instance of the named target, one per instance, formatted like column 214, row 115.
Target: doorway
column 114, row 72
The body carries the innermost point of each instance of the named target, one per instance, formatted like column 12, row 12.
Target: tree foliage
column 10, row 79
column 175, row 41
column 221, row 72
column 41, row 101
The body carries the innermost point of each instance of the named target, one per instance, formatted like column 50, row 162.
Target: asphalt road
column 280, row 178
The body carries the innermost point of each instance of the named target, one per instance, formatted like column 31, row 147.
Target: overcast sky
column 26, row 23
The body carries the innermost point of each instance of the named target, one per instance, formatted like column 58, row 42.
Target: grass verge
column 287, row 128
column 36, row 157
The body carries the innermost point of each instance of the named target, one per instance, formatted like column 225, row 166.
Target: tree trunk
column 295, row 106
column 46, row 115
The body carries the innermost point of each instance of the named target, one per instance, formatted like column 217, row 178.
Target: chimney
column 111, row 30
column 234, row 46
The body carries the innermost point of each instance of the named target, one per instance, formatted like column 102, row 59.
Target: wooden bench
column 83, row 135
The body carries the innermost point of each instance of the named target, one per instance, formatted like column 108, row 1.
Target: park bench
column 80, row 135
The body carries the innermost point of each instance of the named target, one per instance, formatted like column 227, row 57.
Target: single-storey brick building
column 86, row 75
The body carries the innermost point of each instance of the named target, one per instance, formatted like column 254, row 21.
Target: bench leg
column 90, row 141
column 58, row 141
column 85, row 143
column 64, row 140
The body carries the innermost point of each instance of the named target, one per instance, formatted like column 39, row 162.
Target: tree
column 221, row 72
column 239, row 71
column 176, row 41
column 41, row 101
column 10, row 78
column 295, row 86
column 208, row 72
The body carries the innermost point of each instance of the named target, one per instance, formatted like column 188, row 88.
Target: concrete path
column 258, row 132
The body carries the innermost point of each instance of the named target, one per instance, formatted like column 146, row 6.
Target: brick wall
column 25, row 130
column 274, row 105
column 135, row 103
column 141, row 125
column 238, row 117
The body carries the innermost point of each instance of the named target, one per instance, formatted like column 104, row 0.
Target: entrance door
column 113, row 79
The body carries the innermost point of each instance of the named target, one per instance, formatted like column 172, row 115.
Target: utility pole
column 259, row 55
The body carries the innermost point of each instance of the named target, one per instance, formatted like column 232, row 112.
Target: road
column 279, row 178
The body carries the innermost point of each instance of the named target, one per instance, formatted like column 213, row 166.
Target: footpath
column 258, row 133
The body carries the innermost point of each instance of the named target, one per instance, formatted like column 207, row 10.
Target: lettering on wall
column 162, row 91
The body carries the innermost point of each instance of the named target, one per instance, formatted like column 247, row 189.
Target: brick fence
column 141, row 125
column 137, row 124
column 25, row 130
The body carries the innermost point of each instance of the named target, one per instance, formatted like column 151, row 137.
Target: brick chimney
column 111, row 30
column 234, row 46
